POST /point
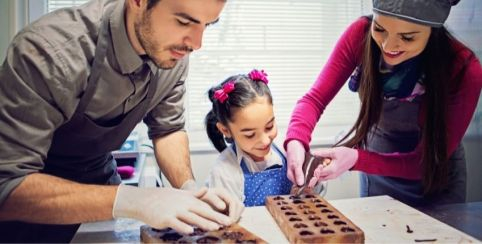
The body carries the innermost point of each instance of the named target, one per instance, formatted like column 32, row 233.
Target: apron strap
column 100, row 52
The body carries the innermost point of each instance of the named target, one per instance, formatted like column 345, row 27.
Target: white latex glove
column 219, row 199
column 342, row 159
column 167, row 207
column 295, row 155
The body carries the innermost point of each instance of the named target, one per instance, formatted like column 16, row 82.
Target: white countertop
column 382, row 219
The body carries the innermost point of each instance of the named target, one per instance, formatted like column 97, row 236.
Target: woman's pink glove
column 342, row 159
column 295, row 155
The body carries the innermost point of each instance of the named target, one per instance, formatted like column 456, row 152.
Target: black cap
column 425, row 12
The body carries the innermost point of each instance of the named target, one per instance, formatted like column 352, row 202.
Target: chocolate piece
column 171, row 237
column 320, row 224
column 208, row 239
column 197, row 232
column 339, row 222
column 326, row 231
column 409, row 230
column 347, row 229
column 231, row 234
column 300, row 225
column 305, row 233
column 425, row 240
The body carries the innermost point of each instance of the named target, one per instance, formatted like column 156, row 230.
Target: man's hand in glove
column 168, row 207
column 219, row 199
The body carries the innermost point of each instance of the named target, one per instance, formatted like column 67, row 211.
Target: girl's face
column 397, row 39
column 253, row 128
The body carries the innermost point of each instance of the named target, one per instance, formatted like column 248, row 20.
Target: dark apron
column 259, row 185
column 81, row 150
column 398, row 131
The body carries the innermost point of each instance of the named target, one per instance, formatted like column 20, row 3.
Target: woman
column 418, row 88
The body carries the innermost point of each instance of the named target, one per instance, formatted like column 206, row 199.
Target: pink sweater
column 342, row 62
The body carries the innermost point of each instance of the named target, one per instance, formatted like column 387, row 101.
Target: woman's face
column 253, row 128
column 398, row 40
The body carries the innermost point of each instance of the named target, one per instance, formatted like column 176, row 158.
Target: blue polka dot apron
column 398, row 131
column 259, row 185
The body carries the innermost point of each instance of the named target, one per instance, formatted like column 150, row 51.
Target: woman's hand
column 295, row 155
column 342, row 159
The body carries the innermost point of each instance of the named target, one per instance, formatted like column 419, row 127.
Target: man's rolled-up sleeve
column 168, row 115
column 29, row 112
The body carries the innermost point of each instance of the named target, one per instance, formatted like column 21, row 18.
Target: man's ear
column 223, row 129
column 136, row 5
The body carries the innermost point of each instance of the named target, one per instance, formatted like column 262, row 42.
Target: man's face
column 172, row 29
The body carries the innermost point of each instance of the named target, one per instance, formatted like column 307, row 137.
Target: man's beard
column 144, row 35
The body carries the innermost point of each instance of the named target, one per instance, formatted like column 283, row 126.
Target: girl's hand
column 342, row 159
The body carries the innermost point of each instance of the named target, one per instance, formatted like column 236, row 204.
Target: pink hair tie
column 222, row 94
column 257, row 75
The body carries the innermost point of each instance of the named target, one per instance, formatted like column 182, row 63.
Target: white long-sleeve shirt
column 227, row 172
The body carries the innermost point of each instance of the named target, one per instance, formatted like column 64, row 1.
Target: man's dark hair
column 152, row 3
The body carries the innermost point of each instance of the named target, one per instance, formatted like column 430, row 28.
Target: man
column 73, row 86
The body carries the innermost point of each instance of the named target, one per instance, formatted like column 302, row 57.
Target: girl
column 251, row 167
column 418, row 87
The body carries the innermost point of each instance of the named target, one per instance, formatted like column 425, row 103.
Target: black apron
column 398, row 131
column 81, row 150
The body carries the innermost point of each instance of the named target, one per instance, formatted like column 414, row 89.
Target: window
column 290, row 40
column 56, row 4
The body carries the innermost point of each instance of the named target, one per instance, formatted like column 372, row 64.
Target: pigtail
column 216, row 137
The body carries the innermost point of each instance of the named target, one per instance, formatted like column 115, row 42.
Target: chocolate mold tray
column 311, row 219
column 231, row 234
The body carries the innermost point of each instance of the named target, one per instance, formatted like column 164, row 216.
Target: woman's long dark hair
column 245, row 92
column 437, row 64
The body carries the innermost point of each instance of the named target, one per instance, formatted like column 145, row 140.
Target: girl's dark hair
column 244, row 93
column 438, row 60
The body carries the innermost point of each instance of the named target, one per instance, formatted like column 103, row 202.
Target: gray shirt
column 45, row 74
